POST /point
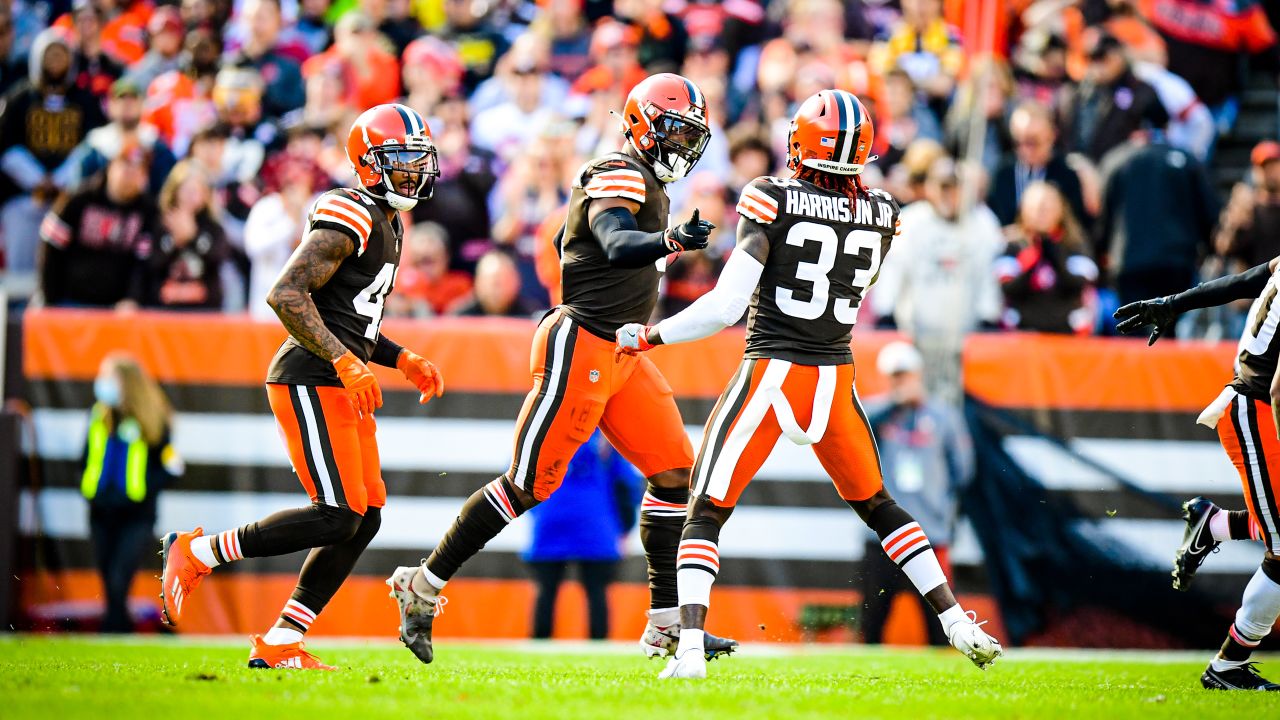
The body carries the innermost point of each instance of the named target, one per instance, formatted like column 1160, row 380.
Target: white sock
column 426, row 584
column 282, row 636
column 1260, row 607
column 202, row 548
column 664, row 617
column 690, row 640
column 1220, row 663
column 693, row 586
column 951, row 616
column 1218, row 527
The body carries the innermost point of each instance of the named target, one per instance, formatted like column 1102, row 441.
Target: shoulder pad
column 612, row 176
column 347, row 212
column 759, row 200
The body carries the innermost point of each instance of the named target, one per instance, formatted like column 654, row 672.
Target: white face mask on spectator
column 106, row 389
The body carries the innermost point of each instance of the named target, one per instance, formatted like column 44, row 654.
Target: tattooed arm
column 310, row 267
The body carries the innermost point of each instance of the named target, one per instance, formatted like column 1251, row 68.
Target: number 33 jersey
column 351, row 302
column 825, row 250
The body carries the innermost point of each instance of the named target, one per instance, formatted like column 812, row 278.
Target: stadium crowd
column 165, row 155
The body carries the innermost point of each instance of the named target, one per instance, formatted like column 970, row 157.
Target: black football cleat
column 714, row 647
column 1197, row 541
column 1243, row 677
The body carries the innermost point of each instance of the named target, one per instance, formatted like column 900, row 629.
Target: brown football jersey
column 825, row 250
column 603, row 298
column 351, row 302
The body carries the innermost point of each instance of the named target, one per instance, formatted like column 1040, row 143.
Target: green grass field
column 57, row 677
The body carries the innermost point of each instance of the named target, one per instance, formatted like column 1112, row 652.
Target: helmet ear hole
column 632, row 117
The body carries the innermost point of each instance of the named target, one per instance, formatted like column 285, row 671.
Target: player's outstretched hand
column 1136, row 315
column 632, row 338
column 422, row 373
column 692, row 235
column 360, row 383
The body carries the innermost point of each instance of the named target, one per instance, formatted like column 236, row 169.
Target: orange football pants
column 1248, row 434
column 578, row 385
column 810, row 405
column 334, row 451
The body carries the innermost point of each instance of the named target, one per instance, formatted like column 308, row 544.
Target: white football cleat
column 662, row 636
column 685, row 666
column 973, row 642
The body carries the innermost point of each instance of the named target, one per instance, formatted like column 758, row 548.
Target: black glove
column 1158, row 312
column 692, row 235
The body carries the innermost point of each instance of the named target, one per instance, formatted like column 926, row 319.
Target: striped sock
column 485, row 514
column 226, row 546
column 697, row 565
column 298, row 615
column 1235, row 651
column 908, row 547
column 497, row 496
column 662, row 514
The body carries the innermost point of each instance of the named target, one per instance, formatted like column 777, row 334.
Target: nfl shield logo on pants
column 595, row 376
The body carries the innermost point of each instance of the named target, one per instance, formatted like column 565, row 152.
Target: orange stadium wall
column 212, row 367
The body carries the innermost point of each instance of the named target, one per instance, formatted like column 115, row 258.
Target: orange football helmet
column 665, row 119
column 832, row 132
column 391, row 151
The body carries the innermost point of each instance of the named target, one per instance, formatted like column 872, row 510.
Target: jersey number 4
column 859, row 243
column 369, row 301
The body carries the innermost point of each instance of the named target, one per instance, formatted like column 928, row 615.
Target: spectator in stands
column 179, row 103
column 275, row 225
column 1191, row 125
column 988, row 91
column 907, row 117
column 497, row 290
column 95, row 240
column 392, row 19
column 326, row 104
column 604, row 487
column 521, row 94
column 432, row 72
column 1045, row 271
column 1249, row 232
column 1035, row 158
column 467, row 24
column 1158, row 213
column 749, row 157
column 370, row 74
column 95, row 69
column 1041, row 68
column 691, row 275
column 237, row 96
column 928, row 461
column 10, row 71
column 1207, row 42
column 42, row 119
column 564, row 23
column 616, row 61
column 926, row 47
column 190, row 249
column 164, row 41
column 663, row 38
column 937, row 285
column 906, row 180
column 312, row 27
column 425, row 286
column 460, row 202
column 124, row 110
column 281, row 77
column 1110, row 105
column 128, row 459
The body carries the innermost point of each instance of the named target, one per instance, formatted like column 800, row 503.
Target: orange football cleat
column 183, row 571
column 293, row 656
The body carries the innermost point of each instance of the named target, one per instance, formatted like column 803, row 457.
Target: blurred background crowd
column 1053, row 157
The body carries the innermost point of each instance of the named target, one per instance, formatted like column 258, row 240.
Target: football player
column 1246, row 415
column 615, row 234
column 330, row 298
column 808, row 248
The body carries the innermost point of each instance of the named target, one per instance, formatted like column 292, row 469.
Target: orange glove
column 359, row 381
column 422, row 373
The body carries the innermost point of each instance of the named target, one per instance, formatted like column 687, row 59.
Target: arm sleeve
column 1223, row 290
column 624, row 244
column 385, row 352
column 721, row 307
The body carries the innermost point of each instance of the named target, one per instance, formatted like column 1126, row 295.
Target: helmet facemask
column 678, row 144
column 408, row 172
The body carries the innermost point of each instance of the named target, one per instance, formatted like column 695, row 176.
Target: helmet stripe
column 844, row 123
column 404, row 116
column 695, row 97
column 852, row 125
